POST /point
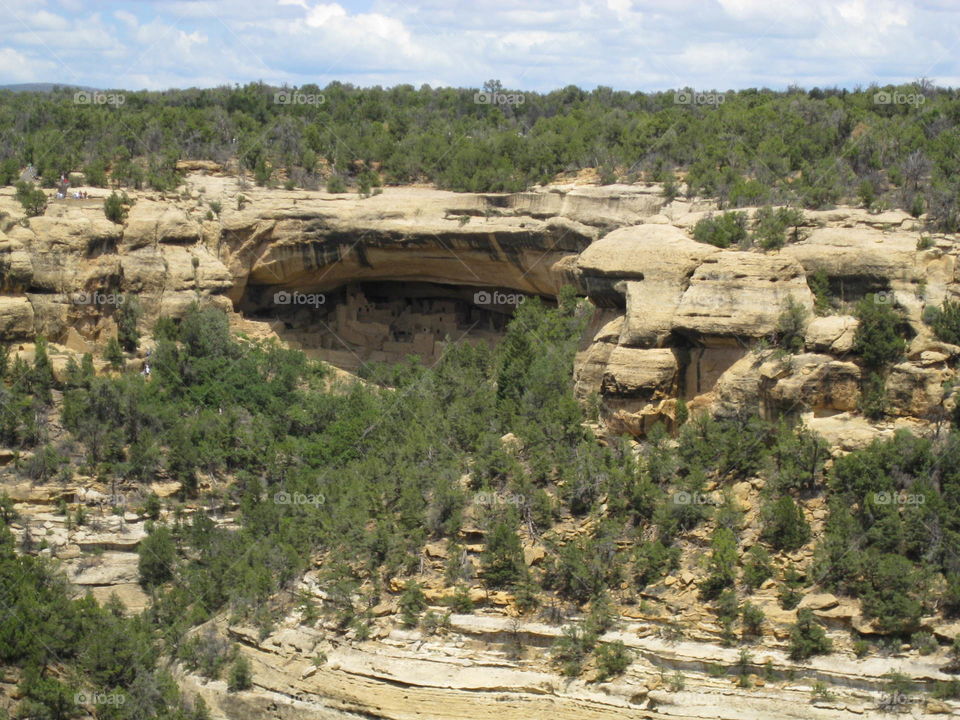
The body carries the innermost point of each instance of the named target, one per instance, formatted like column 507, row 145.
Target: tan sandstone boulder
column 740, row 294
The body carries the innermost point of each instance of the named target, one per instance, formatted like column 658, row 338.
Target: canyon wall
column 353, row 279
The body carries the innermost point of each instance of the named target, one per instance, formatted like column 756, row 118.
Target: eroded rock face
column 171, row 250
column 735, row 295
column 833, row 334
column 646, row 374
column 663, row 257
column 915, row 391
column 810, row 382
column 859, row 255
column 716, row 309
column 408, row 270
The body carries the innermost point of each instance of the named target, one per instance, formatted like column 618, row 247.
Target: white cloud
column 535, row 44
column 323, row 14
column 20, row 68
column 620, row 8
column 127, row 18
column 43, row 20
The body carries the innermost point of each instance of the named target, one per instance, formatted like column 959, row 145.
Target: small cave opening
column 382, row 322
column 702, row 361
column 852, row 287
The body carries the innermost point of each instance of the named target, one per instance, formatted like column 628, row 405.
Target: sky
column 535, row 45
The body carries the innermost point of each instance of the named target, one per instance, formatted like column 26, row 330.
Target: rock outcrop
column 406, row 272
column 351, row 279
column 717, row 311
column 262, row 250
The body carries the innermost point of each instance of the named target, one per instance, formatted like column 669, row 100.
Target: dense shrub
column 158, row 555
column 753, row 618
column 92, row 646
column 892, row 587
column 807, row 638
column 654, row 561
column 571, row 649
column 820, row 287
column 115, row 207
column 128, row 316
column 796, row 460
column 396, row 469
column 771, row 226
column 808, row 145
column 724, row 230
column 612, row 660
column 873, row 395
column 584, row 569
column 946, row 322
column 412, row 603
column 792, row 326
column 789, row 594
column 877, row 339
column 784, row 525
column 502, row 557
column 95, row 174
column 241, row 675
column 722, row 567
column 734, row 447
column 33, row 199
column 757, row 568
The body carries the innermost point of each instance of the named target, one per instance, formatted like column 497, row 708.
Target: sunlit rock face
column 681, row 319
column 352, row 279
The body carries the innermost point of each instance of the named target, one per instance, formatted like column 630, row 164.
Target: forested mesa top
column 885, row 147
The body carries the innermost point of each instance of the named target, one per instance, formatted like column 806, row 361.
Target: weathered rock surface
column 711, row 306
column 810, row 382
column 468, row 673
column 738, row 295
column 675, row 318
column 833, row 334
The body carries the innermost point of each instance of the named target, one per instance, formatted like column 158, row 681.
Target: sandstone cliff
column 400, row 273
column 675, row 318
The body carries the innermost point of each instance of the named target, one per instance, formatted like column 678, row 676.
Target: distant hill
column 42, row 87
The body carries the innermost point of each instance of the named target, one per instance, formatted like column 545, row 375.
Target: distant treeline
column 882, row 147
